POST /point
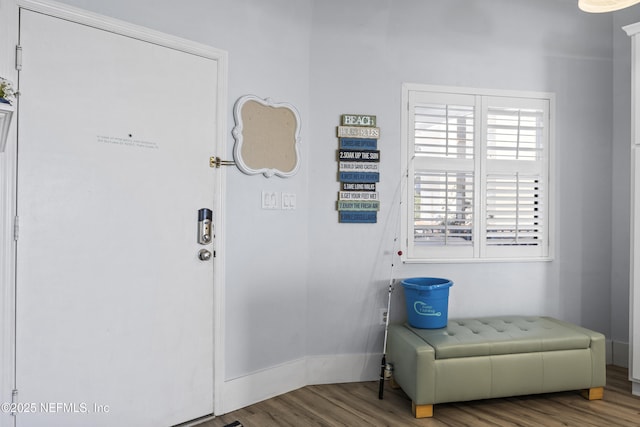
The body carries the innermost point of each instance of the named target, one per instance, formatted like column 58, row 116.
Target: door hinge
column 216, row 162
column 16, row 227
column 18, row 57
column 14, row 401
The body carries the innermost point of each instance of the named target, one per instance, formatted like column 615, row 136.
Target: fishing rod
column 383, row 363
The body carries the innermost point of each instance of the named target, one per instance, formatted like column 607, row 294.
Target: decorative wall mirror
column 267, row 136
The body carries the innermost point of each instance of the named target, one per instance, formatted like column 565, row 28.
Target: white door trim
column 8, row 173
column 8, row 183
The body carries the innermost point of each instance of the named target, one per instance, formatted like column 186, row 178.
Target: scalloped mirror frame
column 267, row 136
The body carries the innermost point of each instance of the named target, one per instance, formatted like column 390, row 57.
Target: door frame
column 9, row 22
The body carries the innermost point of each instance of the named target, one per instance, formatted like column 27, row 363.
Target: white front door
column 114, row 308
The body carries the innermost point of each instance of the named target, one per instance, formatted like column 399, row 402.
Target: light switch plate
column 288, row 201
column 270, row 200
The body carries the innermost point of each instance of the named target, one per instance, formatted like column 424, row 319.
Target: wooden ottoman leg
column 594, row 393
column 422, row 411
column 394, row 385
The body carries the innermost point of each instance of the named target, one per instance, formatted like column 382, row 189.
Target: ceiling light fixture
column 600, row 6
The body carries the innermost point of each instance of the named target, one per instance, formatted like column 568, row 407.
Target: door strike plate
column 216, row 162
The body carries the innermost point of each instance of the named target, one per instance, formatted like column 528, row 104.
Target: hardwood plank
column 506, row 412
column 357, row 404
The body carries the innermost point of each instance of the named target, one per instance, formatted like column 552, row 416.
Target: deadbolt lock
column 204, row 226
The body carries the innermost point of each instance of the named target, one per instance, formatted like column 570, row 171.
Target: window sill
column 473, row 260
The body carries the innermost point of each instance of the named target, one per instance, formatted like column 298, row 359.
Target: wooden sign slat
column 359, row 176
column 359, row 166
column 358, row 120
column 349, row 205
column 358, row 216
column 359, row 155
column 359, row 143
column 358, row 132
column 358, row 195
column 359, row 186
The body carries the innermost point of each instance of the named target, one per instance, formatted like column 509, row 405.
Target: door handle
column 204, row 255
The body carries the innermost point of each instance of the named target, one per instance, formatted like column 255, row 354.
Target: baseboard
column 343, row 368
column 262, row 385
column 256, row 387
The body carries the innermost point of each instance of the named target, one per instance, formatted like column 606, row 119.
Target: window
column 477, row 174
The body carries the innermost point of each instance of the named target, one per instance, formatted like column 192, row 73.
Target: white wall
column 302, row 287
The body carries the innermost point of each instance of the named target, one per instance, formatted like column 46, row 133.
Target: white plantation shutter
column 514, row 133
column 515, row 177
column 480, row 170
column 443, row 208
column 514, row 216
column 443, row 130
column 443, row 148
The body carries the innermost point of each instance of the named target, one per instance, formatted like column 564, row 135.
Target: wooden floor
column 357, row 404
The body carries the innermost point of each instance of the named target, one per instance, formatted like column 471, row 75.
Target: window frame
column 479, row 250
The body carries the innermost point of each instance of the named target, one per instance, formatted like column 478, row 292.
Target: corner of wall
column 262, row 385
column 327, row 369
column 619, row 354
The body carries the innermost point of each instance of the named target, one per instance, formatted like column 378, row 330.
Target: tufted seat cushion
column 501, row 335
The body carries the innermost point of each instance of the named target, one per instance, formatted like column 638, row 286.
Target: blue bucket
column 427, row 301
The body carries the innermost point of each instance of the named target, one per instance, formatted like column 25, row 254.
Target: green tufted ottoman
column 493, row 357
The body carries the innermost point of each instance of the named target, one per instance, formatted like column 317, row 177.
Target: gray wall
column 361, row 56
column 300, row 284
